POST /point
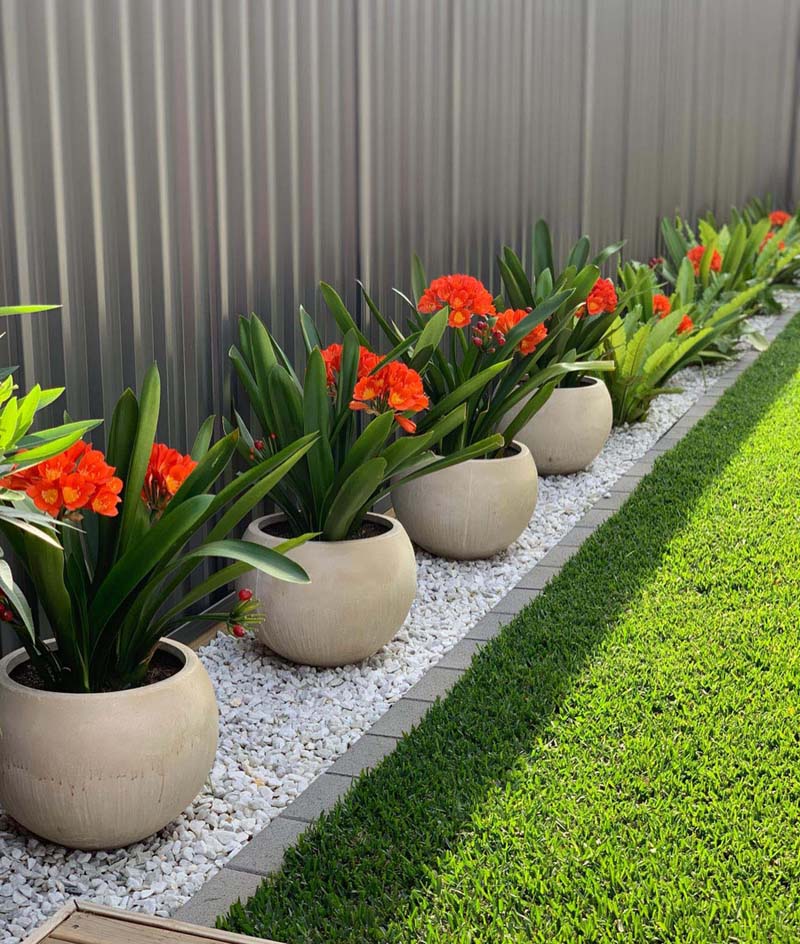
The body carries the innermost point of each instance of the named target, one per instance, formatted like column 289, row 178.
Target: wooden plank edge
column 166, row 924
column 41, row 933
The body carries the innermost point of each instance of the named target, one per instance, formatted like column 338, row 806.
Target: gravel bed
column 282, row 725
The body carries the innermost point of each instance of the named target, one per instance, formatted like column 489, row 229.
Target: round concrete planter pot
column 104, row 770
column 472, row 510
column 360, row 593
column 569, row 431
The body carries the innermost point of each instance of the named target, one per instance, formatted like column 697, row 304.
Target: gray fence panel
column 168, row 164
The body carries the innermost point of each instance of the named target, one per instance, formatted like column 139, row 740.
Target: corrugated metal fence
column 167, row 164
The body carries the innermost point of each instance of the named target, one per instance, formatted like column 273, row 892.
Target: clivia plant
column 652, row 338
column 21, row 448
column 132, row 531
column 371, row 412
column 463, row 343
column 580, row 323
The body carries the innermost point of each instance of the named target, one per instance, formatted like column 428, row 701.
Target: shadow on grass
column 355, row 870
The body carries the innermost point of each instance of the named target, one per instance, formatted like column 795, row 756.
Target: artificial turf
column 621, row 763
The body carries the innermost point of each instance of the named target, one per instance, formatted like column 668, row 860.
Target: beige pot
column 471, row 510
column 105, row 770
column 359, row 596
column 569, row 431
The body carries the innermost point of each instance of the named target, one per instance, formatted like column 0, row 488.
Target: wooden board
column 81, row 922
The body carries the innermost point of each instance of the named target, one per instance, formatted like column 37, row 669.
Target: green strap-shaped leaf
column 391, row 330
column 514, row 263
column 513, row 297
column 355, row 493
column 606, row 253
column 202, row 440
column 579, row 253
column 258, row 399
column 419, row 282
column 206, row 472
column 25, row 309
column 482, row 448
column 368, row 445
column 462, row 392
column 308, row 329
column 287, row 404
column 675, row 245
column 50, row 442
column 263, row 357
column 265, row 559
column 340, row 313
column 147, row 424
column 316, row 419
column 151, row 553
column 542, row 249
column 428, row 341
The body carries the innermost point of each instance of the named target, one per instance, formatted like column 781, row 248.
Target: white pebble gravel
column 282, row 725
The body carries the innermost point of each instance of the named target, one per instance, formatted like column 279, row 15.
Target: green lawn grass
column 622, row 763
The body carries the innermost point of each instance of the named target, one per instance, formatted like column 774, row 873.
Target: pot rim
column 394, row 526
column 522, row 449
column 8, row 663
column 585, row 381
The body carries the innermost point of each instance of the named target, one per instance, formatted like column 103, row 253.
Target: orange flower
column 46, row 496
column 166, row 472
column 76, row 490
column 661, row 305
column 603, row 297
column 695, row 256
column 465, row 295
column 767, row 238
column 686, row 325
column 106, row 500
column 779, row 218
column 69, row 482
column 395, row 388
column 367, row 362
column 332, row 357
column 511, row 317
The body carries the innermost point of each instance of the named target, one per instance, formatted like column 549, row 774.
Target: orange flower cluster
column 603, row 297
column 78, row 478
column 166, row 472
column 509, row 318
column 695, row 256
column 395, row 388
column 779, row 218
column 686, row 325
column 464, row 295
column 661, row 305
column 332, row 356
column 767, row 238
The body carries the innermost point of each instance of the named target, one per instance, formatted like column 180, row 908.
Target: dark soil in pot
column 162, row 666
column 368, row 529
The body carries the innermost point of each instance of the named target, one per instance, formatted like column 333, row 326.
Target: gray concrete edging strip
column 263, row 855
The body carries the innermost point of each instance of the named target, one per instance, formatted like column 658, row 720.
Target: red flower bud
column 481, row 326
column 477, row 341
column 501, row 341
column 259, row 444
column 529, row 309
column 245, row 595
column 238, row 630
column 6, row 615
